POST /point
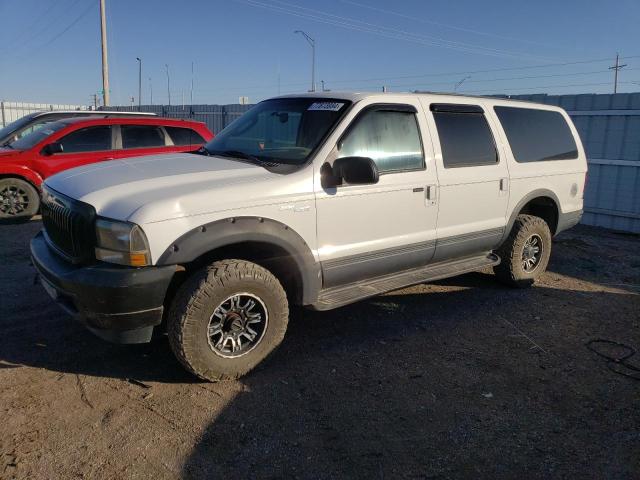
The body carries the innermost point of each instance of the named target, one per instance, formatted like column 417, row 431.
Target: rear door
column 473, row 180
column 80, row 147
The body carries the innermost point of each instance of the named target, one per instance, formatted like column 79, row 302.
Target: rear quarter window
column 537, row 135
column 184, row 136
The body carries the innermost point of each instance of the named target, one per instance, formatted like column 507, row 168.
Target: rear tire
column 19, row 200
column 525, row 254
column 226, row 319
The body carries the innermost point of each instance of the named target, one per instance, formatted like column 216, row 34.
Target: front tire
column 525, row 254
column 226, row 318
column 19, row 200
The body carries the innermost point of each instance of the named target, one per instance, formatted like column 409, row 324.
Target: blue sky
column 50, row 50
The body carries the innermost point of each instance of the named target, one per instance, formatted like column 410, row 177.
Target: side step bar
column 335, row 297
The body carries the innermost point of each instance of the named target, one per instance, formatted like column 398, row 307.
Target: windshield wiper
column 240, row 155
column 7, row 145
column 202, row 151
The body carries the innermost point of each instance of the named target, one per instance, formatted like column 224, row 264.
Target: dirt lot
column 462, row 378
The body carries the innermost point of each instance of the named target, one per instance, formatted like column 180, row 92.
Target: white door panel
column 473, row 200
column 369, row 230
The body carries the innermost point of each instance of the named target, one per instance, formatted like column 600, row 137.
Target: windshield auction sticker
column 326, row 106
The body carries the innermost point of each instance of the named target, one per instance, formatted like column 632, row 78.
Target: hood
column 161, row 187
column 8, row 152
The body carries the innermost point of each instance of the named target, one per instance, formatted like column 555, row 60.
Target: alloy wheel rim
column 237, row 325
column 532, row 253
column 13, row 200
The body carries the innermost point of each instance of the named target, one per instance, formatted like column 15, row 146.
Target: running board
column 345, row 294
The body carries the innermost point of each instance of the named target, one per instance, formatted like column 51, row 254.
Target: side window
column 465, row 138
column 142, row 136
column 184, row 136
column 90, row 139
column 390, row 138
column 537, row 135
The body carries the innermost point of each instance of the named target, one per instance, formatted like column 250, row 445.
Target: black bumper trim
column 568, row 220
column 120, row 304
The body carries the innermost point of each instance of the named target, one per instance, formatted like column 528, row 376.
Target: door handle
column 107, row 158
column 431, row 195
column 504, row 186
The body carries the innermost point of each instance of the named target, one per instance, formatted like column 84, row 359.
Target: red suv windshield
column 35, row 137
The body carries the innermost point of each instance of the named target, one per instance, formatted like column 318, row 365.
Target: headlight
column 123, row 243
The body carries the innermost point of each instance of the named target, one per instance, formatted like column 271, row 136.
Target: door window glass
column 465, row 139
column 142, row 136
column 390, row 138
column 90, row 139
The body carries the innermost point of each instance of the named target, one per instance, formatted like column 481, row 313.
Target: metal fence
column 215, row 116
column 11, row 111
column 609, row 125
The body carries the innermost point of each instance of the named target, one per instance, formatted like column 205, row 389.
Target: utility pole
column 139, row 81
column 151, row 91
column 615, row 69
column 191, row 93
column 105, row 63
column 168, row 83
column 311, row 42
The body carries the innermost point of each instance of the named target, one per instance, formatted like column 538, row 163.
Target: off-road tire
column 24, row 191
column 195, row 303
column 511, row 270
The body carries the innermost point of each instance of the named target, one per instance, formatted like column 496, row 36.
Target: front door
column 80, row 147
column 371, row 230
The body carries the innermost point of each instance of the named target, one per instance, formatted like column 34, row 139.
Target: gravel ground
column 463, row 378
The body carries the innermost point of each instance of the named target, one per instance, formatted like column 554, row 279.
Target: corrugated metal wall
column 215, row 116
column 11, row 111
column 609, row 127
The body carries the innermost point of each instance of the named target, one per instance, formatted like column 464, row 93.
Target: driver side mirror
column 52, row 148
column 350, row 170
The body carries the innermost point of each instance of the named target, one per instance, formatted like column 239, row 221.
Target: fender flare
column 541, row 192
column 229, row 231
column 24, row 173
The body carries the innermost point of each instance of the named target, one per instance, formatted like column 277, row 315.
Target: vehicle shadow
column 463, row 377
column 469, row 383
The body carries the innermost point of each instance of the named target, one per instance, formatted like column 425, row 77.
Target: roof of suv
column 153, row 120
column 93, row 112
column 441, row 96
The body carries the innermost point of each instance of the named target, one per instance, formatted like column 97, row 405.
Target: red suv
column 72, row 142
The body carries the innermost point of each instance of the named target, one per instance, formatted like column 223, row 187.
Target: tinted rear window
column 142, row 136
column 537, row 135
column 184, row 136
column 466, row 139
column 90, row 139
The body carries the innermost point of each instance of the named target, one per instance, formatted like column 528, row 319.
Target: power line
column 439, row 74
column 37, row 49
column 440, row 24
column 20, row 51
column 386, row 32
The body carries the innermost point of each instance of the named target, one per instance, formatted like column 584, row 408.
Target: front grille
column 69, row 226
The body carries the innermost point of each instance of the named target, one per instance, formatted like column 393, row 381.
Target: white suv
column 317, row 200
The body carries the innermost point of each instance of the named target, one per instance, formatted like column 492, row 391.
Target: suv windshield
column 282, row 130
column 35, row 137
column 6, row 134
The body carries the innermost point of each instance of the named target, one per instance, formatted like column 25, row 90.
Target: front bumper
column 119, row 304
